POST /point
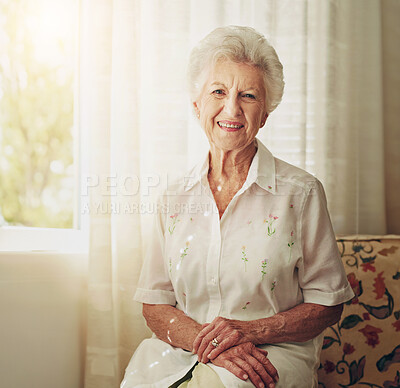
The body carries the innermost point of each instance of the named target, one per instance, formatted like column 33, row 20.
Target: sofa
column 363, row 348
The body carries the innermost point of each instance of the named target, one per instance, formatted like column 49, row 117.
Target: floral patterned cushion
column 363, row 348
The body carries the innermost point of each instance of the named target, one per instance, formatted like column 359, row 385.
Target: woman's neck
column 228, row 164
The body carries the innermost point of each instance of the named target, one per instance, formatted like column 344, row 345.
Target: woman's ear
column 196, row 109
column 263, row 121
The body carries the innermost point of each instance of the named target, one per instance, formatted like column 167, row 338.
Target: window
column 39, row 175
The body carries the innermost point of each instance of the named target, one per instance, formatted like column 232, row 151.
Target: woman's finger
column 250, row 360
column 254, row 371
column 262, row 351
column 259, row 354
column 207, row 327
column 208, row 346
column 260, row 369
column 213, row 351
column 228, row 341
column 202, row 344
column 232, row 367
column 225, row 339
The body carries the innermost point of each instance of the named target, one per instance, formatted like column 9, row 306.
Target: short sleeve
column 154, row 285
column 322, row 277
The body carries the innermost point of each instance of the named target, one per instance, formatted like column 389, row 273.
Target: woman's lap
column 202, row 376
column 293, row 372
column 296, row 364
column 296, row 369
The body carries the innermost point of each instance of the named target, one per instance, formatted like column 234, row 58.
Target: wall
column 42, row 319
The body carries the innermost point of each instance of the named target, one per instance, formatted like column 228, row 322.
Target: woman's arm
column 176, row 328
column 298, row 324
column 171, row 325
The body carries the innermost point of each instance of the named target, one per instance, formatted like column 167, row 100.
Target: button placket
column 212, row 267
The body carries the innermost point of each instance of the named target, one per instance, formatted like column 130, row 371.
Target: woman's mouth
column 230, row 126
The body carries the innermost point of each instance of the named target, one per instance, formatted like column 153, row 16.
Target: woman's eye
column 249, row 95
column 218, row 91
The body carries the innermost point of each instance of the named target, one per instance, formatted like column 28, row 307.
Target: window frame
column 75, row 239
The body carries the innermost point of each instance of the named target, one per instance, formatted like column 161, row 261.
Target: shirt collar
column 262, row 171
column 197, row 174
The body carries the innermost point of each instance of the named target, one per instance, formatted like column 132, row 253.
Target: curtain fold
column 110, row 114
column 339, row 119
column 391, row 110
column 352, row 128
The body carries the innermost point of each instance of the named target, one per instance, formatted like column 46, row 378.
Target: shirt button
column 213, row 280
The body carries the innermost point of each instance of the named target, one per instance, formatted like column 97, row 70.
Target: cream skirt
column 200, row 376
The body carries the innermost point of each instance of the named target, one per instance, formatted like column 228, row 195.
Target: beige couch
column 363, row 348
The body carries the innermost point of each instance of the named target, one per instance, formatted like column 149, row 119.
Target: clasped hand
column 235, row 352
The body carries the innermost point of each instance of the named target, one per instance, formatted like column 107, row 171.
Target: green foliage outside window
column 36, row 116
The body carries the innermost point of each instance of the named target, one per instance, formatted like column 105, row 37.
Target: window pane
column 37, row 63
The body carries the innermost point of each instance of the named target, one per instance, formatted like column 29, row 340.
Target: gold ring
column 214, row 342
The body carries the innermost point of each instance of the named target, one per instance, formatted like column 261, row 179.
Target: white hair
column 238, row 44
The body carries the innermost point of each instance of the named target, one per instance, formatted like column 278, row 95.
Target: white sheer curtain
column 339, row 119
column 109, row 121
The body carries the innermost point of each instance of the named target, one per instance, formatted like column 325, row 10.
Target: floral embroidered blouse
column 273, row 248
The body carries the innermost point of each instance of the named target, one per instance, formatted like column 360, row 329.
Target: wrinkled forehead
column 232, row 74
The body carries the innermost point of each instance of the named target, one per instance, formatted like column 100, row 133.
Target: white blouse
column 273, row 248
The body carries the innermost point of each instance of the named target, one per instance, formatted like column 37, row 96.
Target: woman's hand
column 247, row 361
column 298, row 324
column 227, row 332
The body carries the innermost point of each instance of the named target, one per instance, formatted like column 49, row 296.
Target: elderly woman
column 243, row 273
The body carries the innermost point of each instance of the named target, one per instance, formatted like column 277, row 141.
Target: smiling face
column 231, row 107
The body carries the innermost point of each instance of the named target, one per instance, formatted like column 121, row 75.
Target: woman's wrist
column 257, row 331
column 254, row 331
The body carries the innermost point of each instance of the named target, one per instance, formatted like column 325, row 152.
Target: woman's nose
column 232, row 106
